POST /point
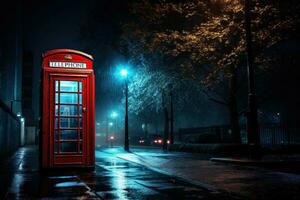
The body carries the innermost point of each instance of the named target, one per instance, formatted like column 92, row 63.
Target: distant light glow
column 110, row 123
column 18, row 114
column 22, row 119
column 114, row 114
column 111, row 137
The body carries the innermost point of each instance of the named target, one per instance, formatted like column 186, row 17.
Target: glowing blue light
column 110, row 123
column 124, row 72
column 114, row 114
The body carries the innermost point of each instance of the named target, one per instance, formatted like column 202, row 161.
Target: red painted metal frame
column 49, row 74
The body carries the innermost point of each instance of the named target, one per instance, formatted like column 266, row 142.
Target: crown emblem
column 68, row 57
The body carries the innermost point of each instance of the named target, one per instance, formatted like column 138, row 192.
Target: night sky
column 75, row 25
column 59, row 24
column 62, row 24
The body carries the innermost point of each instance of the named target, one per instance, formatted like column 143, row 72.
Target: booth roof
column 56, row 51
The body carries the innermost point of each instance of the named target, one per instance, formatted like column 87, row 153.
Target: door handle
column 83, row 109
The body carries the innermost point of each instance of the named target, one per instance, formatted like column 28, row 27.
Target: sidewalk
column 247, row 181
column 20, row 178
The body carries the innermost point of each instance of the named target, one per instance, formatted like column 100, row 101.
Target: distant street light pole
column 114, row 115
column 106, row 135
column 166, row 124
column 124, row 73
column 252, row 123
column 171, row 116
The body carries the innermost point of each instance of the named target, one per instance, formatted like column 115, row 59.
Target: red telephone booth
column 68, row 108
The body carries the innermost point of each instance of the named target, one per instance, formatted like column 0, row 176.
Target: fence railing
column 270, row 134
column 274, row 134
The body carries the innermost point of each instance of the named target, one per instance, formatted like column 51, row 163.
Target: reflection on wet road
column 121, row 179
column 113, row 178
column 21, row 178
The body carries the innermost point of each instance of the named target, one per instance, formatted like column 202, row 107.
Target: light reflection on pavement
column 127, row 180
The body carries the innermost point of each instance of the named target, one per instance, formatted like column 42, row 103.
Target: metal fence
column 275, row 134
column 270, row 134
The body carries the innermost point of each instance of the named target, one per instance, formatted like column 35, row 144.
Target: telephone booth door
column 68, row 113
column 69, row 117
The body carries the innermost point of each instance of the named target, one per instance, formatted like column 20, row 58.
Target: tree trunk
column 166, row 129
column 171, row 137
column 232, row 106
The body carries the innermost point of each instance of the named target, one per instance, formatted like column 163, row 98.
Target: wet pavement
column 21, row 178
column 146, row 173
column 249, row 182
column 128, row 180
column 113, row 178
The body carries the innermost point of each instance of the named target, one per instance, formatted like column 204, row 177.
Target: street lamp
column 124, row 73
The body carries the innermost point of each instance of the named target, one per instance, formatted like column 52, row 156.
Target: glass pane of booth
column 56, row 110
column 56, row 147
column 68, row 146
column 56, row 97
column 80, row 134
column 80, row 147
column 56, row 134
column 68, row 134
column 80, row 122
column 68, row 86
column 80, row 98
column 68, row 110
column 56, row 122
column 80, row 86
column 56, row 86
column 69, row 98
column 68, row 122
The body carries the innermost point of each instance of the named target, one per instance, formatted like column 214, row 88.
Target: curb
column 266, row 163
